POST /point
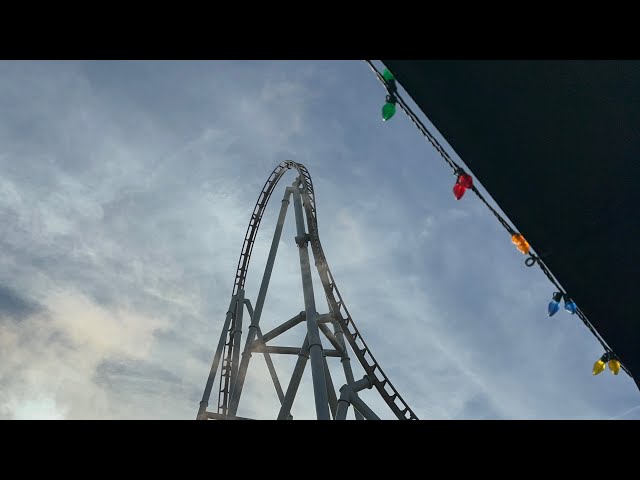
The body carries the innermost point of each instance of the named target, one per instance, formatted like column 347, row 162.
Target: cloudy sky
column 125, row 191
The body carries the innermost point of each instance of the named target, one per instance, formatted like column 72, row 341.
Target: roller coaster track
column 337, row 306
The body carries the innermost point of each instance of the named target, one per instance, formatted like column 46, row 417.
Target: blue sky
column 125, row 192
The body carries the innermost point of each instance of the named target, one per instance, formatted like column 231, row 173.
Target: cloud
column 124, row 199
column 12, row 305
column 54, row 354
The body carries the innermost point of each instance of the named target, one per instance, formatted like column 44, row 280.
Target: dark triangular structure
column 557, row 145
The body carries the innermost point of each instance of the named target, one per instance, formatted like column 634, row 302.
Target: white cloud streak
column 125, row 192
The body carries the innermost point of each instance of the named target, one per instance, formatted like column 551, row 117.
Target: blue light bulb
column 570, row 306
column 554, row 305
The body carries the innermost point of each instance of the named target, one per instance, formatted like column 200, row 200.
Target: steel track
column 337, row 306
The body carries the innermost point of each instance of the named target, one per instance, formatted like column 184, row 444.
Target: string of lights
column 463, row 183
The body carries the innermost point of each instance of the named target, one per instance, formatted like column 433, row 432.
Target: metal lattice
column 233, row 368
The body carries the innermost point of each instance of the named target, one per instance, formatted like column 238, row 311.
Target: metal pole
column 324, row 278
column 338, row 342
column 315, row 345
column 280, row 329
column 292, row 389
column 272, row 371
column 260, row 348
column 237, row 334
column 216, row 360
column 262, row 293
column 332, row 340
column 346, row 362
column 347, row 392
column 339, row 334
column 333, row 399
column 267, row 357
column 360, row 406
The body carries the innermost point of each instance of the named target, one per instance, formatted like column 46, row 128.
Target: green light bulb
column 387, row 75
column 388, row 111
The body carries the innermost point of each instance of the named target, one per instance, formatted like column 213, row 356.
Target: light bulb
column 554, row 305
column 570, row 306
column 388, row 110
column 387, row 75
column 465, row 180
column 614, row 366
column 458, row 191
column 520, row 243
column 598, row 367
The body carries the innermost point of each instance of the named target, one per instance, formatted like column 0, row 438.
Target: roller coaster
column 563, row 131
column 232, row 370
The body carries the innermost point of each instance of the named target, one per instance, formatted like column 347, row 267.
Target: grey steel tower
column 335, row 326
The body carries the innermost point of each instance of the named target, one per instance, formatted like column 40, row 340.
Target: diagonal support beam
column 331, row 390
column 216, row 361
column 237, row 334
column 237, row 385
column 260, row 348
column 292, row 389
column 267, row 357
column 363, row 408
column 346, row 362
column 321, row 267
column 333, row 340
column 315, row 344
column 289, row 324
column 348, row 396
column 272, row 372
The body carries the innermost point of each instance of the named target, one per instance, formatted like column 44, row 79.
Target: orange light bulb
column 520, row 243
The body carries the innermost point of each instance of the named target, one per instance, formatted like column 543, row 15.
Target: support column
column 337, row 329
column 216, row 360
column 257, row 313
column 237, row 337
column 338, row 333
column 346, row 362
column 315, row 345
column 292, row 389
column 348, row 395
column 333, row 399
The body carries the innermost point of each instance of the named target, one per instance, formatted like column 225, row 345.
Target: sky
column 126, row 188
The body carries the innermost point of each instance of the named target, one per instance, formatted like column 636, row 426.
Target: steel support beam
column 348, row 396
column 346, row 362
column 260, row 348
column 338, row 334
column 236, row 390
column 331, row 390
column 294, row 383
column 216, row 360
column 325, row 318
column 333, row 340
column 363, row 408
column 237, row 337
column 280, row 329
column 315, row 344
column 267, row 357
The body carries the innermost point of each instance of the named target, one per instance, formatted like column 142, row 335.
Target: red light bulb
column 465, row 180
column 458, row 191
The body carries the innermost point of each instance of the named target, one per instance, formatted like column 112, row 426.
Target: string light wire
column 533, row 259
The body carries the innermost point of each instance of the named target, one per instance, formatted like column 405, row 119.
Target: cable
column 456, row 169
